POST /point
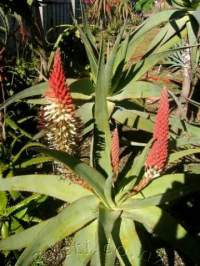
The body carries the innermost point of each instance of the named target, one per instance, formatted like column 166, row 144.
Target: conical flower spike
column 58, row 91
column 61, row 125
column 157, row 157
column 115, row 151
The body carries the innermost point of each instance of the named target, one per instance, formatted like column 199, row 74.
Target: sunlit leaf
column 45, row 184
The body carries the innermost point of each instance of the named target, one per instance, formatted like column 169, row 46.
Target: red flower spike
column 161, row 126
column 157, row 157
column 57, row 90
column 115, row 151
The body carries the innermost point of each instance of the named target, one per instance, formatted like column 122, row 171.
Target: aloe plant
column 103, row 219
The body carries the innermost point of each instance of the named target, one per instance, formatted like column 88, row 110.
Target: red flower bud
column 115, row 151
column 157, row 157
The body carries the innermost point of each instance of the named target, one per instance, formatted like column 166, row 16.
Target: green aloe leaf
column 22, row 204
column 158, row 54
column 34, row 161
column 24, row 148
column 45, row 184
column 108, row 191
column 134, row 172
column 106, row 251
column 3, row 201
column 89, row 174
column 163, row 184
column 90, row 52
column 149, row 24
column 196, row 15
column 119, row 64
column 164, row 226
column 139, row 162
column 110, row 63
column 102, row 136
column 29, row 92
column 24, row 238
column 85, row 112
column 35, row 90
column 137, row 90
column 82, row 247
column 82, row 89
column 130, row 241
column 11, row 123
column 134, row 119
column 167, row 32
column 71, row 219
column 180, row 154
column 170, row 188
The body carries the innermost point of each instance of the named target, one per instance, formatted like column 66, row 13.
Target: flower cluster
column 157, row 157
column 58, row 118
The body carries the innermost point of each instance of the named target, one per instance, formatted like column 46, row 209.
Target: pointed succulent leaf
column 108, row 189
column 163, row 199
column 90, row 52
column 131, row 244
column 164, row 190
column 136, row 90
column 3, row 201
column 38, row 89
column 106, row 252
column 149, row 24
column 24, row 148
column 29, row 92
column 149, row 60
column 45, row 184
column 67, row 222
column 133, row 118
column 34, row 161
column 135, row 170
column 102, row 136
column 161, row 224
column 94, row 179
column 82, row 89
column 110, row 63
column 83, row 246
column 181, row 154
column 24, row 238
column 12, row 124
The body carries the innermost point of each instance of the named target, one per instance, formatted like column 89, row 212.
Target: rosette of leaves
column 105, row 221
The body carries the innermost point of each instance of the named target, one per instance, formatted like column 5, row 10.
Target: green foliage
column 182, row 4
column 118, row 217
column 106, row 221
column 144, row 5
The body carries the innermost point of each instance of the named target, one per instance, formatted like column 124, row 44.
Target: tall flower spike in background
column 59, row 121
column 157, row 156
column 115, row 151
